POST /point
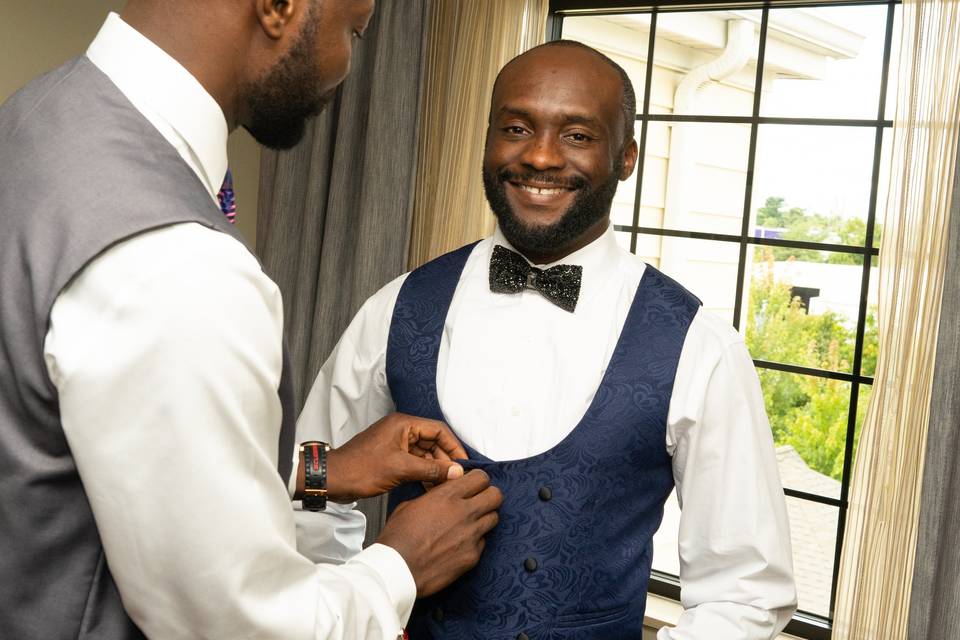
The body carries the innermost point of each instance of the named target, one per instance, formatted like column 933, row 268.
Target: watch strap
column 315, row 475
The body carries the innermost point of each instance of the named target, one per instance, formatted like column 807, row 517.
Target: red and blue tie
column 228, row 203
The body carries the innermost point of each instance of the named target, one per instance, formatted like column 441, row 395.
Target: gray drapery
column 935, row 599
column 335, row 212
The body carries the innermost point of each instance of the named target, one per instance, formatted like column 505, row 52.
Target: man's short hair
column 628, row 98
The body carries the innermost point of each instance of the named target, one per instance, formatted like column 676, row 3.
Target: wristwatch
column 314, row 474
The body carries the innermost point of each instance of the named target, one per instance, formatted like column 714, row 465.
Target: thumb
column 430, row 470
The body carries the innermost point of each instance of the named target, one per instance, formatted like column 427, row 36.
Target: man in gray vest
column 144, row 404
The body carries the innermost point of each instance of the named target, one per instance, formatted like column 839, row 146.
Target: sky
column 826, row 170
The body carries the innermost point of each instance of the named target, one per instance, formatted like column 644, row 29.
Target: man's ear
column 276, row 16
column 629, row 159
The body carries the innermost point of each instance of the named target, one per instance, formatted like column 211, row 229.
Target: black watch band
column 314, row 475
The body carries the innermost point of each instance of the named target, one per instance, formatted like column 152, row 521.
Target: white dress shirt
column 166, row 354
column 515, row 374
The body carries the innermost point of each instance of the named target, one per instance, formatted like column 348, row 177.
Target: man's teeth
column 542, row 192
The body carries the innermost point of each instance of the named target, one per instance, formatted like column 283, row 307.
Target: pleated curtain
column 468, row 43
column 880, row 546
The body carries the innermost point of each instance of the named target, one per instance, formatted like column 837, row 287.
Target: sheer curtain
column 468, row 42
column 877, row 563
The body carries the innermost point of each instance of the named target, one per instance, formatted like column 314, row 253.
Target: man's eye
column 514, row 130
column 579, row 137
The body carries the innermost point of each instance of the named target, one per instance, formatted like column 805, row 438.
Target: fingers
column 487, row 501
column 428, row 470
column 471, row 484
column 435, row 436
column 486, row 523
column 448, row 444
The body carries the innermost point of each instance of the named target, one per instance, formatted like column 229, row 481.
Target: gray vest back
column 80, row 170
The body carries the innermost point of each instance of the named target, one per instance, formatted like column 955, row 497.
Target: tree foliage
column 807, row 412
column 797, row 224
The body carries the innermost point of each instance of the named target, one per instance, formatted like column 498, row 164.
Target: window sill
column 663, row 612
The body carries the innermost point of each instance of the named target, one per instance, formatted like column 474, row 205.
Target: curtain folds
column 877, row 563
column 335, row 211
column 935, row 598
column 468, row 43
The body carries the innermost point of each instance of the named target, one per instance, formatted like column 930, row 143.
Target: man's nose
column 543, row 153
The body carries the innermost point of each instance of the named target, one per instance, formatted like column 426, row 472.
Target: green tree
column 809, row 413
column 798, row 224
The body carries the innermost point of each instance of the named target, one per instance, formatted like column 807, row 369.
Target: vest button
column 522, row 636
column 545, row 493
column 437, row 614
column 530, row 564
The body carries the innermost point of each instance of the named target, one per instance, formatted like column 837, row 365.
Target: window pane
column 621, row 211
column 893, row 73
column 666, row 549
column 623, row 239
column 824, row 62
column 871, row 338
column 623, row 38
column 695, row 176
column 813, row 183
column 863, row 403
column 883, row 184
column 705, row 62
column 813, row 533
column 808, row 416
column 801, row 306
column 708, row 268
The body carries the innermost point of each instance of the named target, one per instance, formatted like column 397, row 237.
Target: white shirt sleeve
column 349, row 394
column 166, row 353
column 736, row 568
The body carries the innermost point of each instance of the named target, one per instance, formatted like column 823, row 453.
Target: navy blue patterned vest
column 572, row 553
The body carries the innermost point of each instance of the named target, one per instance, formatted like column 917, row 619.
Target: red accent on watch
column 316, row 458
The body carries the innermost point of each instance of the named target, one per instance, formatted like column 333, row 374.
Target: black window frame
column 804, row 624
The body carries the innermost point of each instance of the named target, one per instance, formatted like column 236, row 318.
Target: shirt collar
column 599, row 260
column 153, row 80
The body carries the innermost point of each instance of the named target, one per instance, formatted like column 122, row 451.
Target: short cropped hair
column 628, row 98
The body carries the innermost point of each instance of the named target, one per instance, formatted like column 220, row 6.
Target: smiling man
column 584, row 382
column 146, row 424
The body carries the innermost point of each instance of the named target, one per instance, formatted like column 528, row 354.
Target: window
column 779, row 114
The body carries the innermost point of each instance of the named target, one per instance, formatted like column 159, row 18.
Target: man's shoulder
column 30, row 100
column 377, row 309
column 710, row 339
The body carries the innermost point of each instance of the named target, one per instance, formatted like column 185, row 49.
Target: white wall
column 39, row 35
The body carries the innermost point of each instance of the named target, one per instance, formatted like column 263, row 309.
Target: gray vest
column 80, row 170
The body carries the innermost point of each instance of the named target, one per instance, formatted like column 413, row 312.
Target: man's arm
column 349, row 393
column 166, row 355
column 735, row 561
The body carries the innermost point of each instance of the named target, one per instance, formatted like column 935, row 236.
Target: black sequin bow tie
column 510, row 273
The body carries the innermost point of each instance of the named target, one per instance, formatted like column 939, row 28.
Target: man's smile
column 539, row 194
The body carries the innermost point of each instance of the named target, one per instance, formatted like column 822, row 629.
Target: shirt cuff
column 292, row 480
column 394, row 574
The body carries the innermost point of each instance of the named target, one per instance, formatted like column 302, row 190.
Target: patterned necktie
column 510, row 273
column 228, row 203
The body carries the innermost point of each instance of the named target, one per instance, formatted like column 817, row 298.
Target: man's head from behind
column 559, row 139
column 270, row 64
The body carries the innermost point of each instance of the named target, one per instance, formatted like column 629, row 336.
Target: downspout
column 734, row 57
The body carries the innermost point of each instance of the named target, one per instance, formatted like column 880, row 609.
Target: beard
column 590, row 206
column 286, row 97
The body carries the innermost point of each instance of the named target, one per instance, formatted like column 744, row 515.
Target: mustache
column 546, row 178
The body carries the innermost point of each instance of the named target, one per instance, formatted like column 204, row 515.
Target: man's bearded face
column 290, row 93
